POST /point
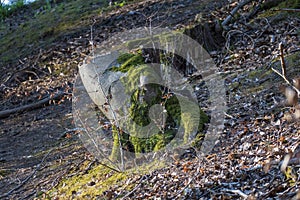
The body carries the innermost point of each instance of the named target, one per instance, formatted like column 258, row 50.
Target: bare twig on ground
column 136, row 187
column 28, row 177
column 287, row 9
column 239, row 192
column 110, row 108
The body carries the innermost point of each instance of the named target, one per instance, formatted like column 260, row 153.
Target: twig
column 287, row 9
column 231, row 33
column 283, row 70
column 228, row 115
column 28, row 177
column 239, row 192
column 89, row 167
column 85, row 128
column 282, row 61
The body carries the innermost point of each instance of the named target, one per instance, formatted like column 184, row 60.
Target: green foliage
column 47, row 6
column 7, row 10
column 120, row 4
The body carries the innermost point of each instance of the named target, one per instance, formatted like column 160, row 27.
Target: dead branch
column 287, row 9
column 233, row 12
column 41, row 103
column 282, row 61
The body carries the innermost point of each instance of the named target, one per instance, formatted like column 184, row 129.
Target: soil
column 38, row 151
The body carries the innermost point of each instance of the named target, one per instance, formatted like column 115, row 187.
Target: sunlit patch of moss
column 197, row 142
column 93, row 183
column 127, row 60
column 97, row 180
column 259, row 73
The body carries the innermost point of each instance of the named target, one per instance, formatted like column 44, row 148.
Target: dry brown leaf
column 291, row 95
column 296, row 82
column 297, row 113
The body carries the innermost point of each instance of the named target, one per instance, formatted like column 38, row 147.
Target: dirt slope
column 38, row 159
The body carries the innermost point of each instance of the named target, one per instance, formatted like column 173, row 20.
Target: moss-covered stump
column 154, row 114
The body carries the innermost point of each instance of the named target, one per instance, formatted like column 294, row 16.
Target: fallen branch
column 233, row 12
column 282, row 61
column 287, row 9
column 41, row 103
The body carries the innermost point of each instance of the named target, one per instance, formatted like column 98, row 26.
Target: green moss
column 3, row 173
column 198, row 140
column 102, row 177
column 272, row 8
column 115, row 154
column 141, row 102
column 128, row 60
column 139, row 114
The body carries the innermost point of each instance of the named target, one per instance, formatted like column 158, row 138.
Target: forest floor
column 39, row 159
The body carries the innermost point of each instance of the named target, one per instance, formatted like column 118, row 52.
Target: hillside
column 257, row 154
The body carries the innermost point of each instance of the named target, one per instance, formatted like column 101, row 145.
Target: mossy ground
column 44, row 24
column 88, row 185
column 277, row 12
column 96, row 181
